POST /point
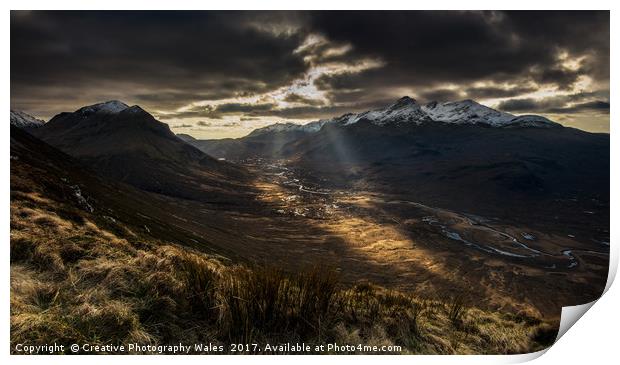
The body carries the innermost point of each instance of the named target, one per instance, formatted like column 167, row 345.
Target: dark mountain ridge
column 130, row 145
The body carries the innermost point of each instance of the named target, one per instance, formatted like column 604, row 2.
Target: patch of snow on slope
column 466, row 112
column 405, row 109
column 314, row 126
column 277, row 127
column 23, row 120
column 289, row 127
column 108, row 107
column 81, row 199
column 532, row 121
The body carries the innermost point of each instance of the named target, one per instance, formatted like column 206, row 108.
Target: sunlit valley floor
column 433, row 252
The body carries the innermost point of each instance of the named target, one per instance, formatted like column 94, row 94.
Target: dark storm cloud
column 497, row 92
column 254, row 111
column 428, row 48
column 600, row 106
column 319, row 112
column 192, row 113
column 268, row 110
column 167, row 60
column 308, row 112
column 568, row 104
column 580, row 96
column 176, row 98
column 520, row 105
column 296, row 98
column 218, row 111
column 243, row 108
column 246, row 119
column 180, row 54
column 441, row 95
column 562, row 77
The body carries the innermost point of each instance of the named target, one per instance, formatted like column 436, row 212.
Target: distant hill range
column 270, row 141
column 459, row 155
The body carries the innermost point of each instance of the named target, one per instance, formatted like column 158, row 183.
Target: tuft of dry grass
column 262, row 302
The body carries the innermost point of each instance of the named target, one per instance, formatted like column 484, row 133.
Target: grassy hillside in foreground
column 79, row 275
column 73, row 280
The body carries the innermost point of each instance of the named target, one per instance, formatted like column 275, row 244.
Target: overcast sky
column 217, row 74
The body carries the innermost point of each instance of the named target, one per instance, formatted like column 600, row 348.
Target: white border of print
column 592, row 340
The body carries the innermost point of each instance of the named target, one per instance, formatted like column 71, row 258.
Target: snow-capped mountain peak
column 24, row 120
column 108, row 107
column 290, row 127
column 466, row 112
column 403, row 110
column 406, row 110
column 314, row 126
column 136, row 109
column 276, row 127
column 404, row 102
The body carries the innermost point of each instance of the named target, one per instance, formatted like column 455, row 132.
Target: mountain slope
column 23, row 120
column 47, row 177
column 128, row 144
column 456, row 155
column 266, row 142
column 540, row 175
column 186, row 137
column 289, row 127
column 95, row 259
